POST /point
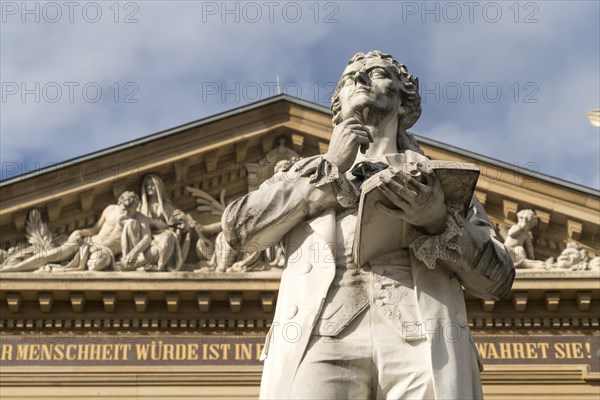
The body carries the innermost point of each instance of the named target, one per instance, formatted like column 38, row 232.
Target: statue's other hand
column 128, row 259
column 346, row 138
column 421, row 204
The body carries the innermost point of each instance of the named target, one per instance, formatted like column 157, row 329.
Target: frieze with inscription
column 133, row 349
column 130, row 350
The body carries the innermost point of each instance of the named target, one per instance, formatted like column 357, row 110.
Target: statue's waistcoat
column 385, row 284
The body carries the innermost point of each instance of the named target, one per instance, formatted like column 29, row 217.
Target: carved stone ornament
column 519, row 241
column 572, row 258
column 146, row 233
column 170, row 230
column 280, row 157
column 217, row 255
column 92, row 249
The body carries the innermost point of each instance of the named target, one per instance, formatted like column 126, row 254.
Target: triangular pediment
column 213, row 154
column 210, row 154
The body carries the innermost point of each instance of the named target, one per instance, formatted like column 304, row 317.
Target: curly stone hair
column 129, row 198
column 528, row 215
column 409, row 90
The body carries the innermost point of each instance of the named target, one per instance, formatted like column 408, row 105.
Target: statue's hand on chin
column 346, row 138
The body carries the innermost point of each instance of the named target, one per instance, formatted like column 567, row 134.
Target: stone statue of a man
column 396, row 326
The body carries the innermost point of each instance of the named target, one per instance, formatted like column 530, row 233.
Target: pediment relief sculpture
column 143, row 233
column 92, row 249
column 217, row 255
column 38, row 238
column 171, row 235
column 267, row 167
column 519, row 242
column 574, row 258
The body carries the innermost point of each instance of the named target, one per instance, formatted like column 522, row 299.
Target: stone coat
column 290, row 207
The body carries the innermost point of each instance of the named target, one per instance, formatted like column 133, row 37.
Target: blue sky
column 506, row 79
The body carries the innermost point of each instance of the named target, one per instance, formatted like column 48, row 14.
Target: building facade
column 196, row 328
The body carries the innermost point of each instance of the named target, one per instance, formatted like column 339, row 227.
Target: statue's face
column 129, row 204
column 528, row 220
column 568, row 257
column 370, row 83
column 131, row 208
column 150, row 187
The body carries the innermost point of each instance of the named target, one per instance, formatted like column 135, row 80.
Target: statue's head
column 153, row 186
column 129, row 200
column 528, row 217
column 378, row 82
column 570, row 256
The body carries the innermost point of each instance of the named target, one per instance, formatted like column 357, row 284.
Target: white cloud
column 174, row 51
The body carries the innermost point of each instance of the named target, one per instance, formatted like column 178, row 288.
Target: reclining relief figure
column 94, row 249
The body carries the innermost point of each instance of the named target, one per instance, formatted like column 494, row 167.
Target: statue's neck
column 384, row 136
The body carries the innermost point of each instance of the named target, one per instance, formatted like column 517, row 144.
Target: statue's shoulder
column 111, row 208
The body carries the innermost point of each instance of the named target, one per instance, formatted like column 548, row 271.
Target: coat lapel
column 324, row 225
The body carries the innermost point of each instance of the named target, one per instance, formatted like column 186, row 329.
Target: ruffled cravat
column 366, row 169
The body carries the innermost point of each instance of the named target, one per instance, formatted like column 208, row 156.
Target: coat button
column 291, row 312
column 378, row 270
column 377, row 286
column 305, row 267
column 461, row 320
column 379, row 303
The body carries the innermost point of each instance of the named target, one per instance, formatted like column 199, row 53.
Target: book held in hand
column 376, row 232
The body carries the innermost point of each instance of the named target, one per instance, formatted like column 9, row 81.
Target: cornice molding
column 186, row 300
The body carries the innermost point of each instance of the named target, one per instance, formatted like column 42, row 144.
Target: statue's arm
column 485, row 267
column 145, row 240
column 517, row 231
column 157, row 224
column 529, row 247
column 136, row 232
column 470, row 250
column 261, row 218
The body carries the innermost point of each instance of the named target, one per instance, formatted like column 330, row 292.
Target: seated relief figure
column 519, row 241
column 95, row 248
column 170, row 227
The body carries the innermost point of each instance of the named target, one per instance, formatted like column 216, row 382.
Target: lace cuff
column 428, row 249
column 321, row 172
